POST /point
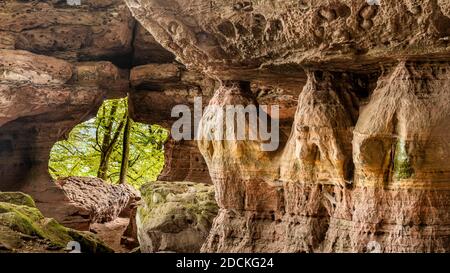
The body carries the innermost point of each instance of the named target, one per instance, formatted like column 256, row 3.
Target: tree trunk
column 125, row 152
column 105, row 151
column 111, row 147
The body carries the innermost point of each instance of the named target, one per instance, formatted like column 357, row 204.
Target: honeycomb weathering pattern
column 228, row 38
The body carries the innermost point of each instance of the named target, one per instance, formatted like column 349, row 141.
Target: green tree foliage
column 95, row 148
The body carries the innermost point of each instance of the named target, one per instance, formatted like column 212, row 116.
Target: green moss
column 19, row 220
column 57, row 234
column 404, row 170
column 17, row 198
column 402, row 164
column 18, row 223
column 88, row 242
column 177, row 202
column 29, row 221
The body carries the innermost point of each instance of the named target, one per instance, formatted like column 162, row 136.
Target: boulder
column 96, row 200
column 175, row 216
column 23, row 228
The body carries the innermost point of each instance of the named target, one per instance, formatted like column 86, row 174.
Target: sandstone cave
column 364, row 119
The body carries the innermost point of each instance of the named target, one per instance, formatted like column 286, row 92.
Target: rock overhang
column 251, row 39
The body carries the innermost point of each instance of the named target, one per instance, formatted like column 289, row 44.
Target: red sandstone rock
column 94, row 30
column 96, row 199
column 364, row 149
column 366, row 159
column 43, row 96
column 184, row 162
column 318, row 202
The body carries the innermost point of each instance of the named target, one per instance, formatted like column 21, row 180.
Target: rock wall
column 156, row 90
column 184, row 162
column 93, row 31
column 42, row 99
column 363, row 159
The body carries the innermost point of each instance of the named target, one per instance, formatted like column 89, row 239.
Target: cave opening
column 101, row 165
column 112, row 147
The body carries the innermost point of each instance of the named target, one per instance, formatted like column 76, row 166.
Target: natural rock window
column 100, row 146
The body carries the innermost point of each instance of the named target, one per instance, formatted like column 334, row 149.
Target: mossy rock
column 162, row 198
column 17, row 198
column 180, row 212
column 402, row 164
column 23, row 228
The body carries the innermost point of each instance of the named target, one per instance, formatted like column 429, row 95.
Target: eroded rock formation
column 96, row 201
column 156, row 90
column 364, row 158
column 58, row 62
column 92, row 31
column 42, row 99
column 364, row 110
column 184, row 162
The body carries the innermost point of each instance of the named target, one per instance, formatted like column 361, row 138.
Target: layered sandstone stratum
column 364, row 96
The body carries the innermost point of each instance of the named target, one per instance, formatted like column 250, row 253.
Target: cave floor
column 111, row 233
